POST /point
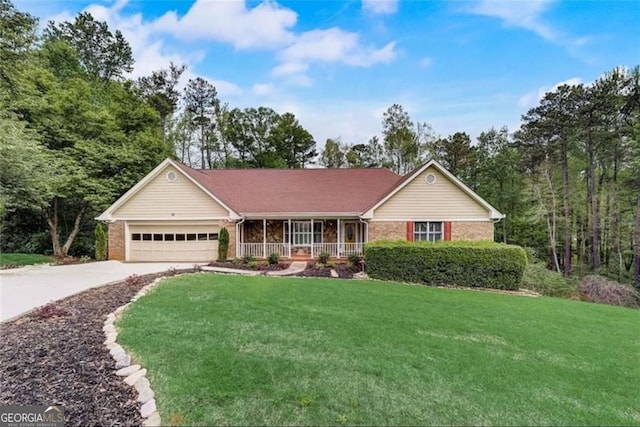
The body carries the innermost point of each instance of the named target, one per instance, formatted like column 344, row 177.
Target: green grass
column 281, row 351
column 17, row 259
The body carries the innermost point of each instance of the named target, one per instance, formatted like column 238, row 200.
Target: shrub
column 134, row 279
column 323, row 257
column 539, row 278
column 48, row 311
column 101, row 242
column 223, row 244
column 354, row 259
column 247, row 259
column 252, row 264
column 475, row 264
column 236, row 261
column 602, row 290
column 274, row 258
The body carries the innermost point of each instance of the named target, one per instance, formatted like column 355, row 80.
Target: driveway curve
column 23, row 289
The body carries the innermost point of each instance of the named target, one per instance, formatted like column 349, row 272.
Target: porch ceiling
column 301, row 215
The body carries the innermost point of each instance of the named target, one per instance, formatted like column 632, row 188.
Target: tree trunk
column 595, row 212
column 636, row 250
column 61, row 251
column 551, row 222
column 52, row 220
column 76, row 229
column 567, row 211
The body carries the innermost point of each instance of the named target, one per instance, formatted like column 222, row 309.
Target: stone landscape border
column 133, row 375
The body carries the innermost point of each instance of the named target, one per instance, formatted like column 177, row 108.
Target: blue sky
column 337, row 65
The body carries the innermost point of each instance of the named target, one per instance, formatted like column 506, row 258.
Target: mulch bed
column 55, row 355
column 259, row 267
column 343, row 271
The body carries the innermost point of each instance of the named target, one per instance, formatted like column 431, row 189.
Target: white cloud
column 290, row 68
column 523, row 14
column 426, row 62
column 262, row 89
column 531, row 99
column 263, row 26
column 380, row 6
column 334, row 45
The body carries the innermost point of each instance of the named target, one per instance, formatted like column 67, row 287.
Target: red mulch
column 243, row 266
column 343, row 271
column 55, row 355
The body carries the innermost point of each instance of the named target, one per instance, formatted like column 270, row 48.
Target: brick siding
column 116, row 241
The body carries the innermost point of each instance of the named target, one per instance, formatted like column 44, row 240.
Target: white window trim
column 428, row 233
column 311, row 233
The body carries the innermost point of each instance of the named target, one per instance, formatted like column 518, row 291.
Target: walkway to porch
column 301, row 239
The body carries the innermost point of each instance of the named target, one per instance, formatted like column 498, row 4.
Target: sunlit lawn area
column 17, row 259
column 247, row 351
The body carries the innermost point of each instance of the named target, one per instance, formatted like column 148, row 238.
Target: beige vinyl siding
column 180, row 199
column 419, row 201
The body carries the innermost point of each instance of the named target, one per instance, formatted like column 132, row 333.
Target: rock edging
column 132, row 375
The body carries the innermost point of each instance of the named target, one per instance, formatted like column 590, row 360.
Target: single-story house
column 175, row 213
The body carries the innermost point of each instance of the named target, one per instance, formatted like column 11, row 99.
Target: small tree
column 101, row 242
column 223, row 244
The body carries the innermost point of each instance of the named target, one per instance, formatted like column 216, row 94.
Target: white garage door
column 173, row 242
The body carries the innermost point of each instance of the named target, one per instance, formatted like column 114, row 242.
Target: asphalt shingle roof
column 296, row 190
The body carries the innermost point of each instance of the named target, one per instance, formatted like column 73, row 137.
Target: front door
column 350, row 232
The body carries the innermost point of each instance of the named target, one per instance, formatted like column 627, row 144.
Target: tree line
column 77, row 133
column 568, row 178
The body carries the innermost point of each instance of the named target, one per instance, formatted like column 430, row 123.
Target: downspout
column 366, row 232
column 238, row 236
column 504, row 226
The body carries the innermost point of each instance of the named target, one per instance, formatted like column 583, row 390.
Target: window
column 202, row 236
column 317, row 232
column 146, row 236
column 180, row 237
column 213, row 236
column 157, row 237
column 168, row 237
column 136, row 236
column 302, row 232
column 431, row 231
column 191, row 236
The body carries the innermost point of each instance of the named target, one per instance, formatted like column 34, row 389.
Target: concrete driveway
column 23, row 289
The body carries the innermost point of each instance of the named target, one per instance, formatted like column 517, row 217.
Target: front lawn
column 282, row 351
column 19, row 260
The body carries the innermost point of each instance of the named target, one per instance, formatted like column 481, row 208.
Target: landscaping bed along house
column 56, row 355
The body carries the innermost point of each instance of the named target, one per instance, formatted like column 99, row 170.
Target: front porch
column 301, row 238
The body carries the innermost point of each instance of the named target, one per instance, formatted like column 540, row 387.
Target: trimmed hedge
column 474, row 264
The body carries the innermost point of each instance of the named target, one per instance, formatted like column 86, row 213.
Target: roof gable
column 493, row 213
column 122, row 206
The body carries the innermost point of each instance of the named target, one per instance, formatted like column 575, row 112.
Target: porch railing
column 335, row 250
column 338, row 250
column 263, row 250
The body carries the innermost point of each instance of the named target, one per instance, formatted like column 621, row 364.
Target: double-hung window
column 431, row 231
column 302, row 231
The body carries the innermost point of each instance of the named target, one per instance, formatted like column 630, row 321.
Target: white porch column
column 289, row 242
column 264, row 238
column 312, row 238
column 338, row 241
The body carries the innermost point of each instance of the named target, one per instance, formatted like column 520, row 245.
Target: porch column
column 338, row 241
column 264, row 238
column 312, row 238
column 289, row 242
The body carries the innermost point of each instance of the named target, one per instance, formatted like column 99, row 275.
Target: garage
column 174, row 242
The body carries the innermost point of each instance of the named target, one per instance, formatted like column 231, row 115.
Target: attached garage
column 179, row 242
